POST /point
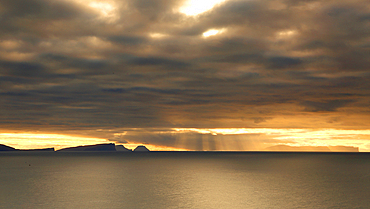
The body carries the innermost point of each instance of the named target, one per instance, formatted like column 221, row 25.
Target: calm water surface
column 184, row 180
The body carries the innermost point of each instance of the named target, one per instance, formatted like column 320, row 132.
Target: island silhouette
column 111, row 147
column 141, row 148
column 108, row 147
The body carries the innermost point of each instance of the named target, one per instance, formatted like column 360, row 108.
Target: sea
column 184, row 180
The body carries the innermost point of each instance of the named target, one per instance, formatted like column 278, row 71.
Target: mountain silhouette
column 141, row 148
column 111, row 147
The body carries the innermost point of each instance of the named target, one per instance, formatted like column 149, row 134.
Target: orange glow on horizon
column 290, row 137
column 39, row 141
column 298, row 137
column 60, row 141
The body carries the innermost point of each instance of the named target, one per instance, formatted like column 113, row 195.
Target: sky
column 185, row 74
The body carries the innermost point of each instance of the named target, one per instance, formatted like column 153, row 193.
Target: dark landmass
column 6, row 148
column 111, row 147
column 286, row 148
column 121, row 148
column 141, row 149
column 38, row 150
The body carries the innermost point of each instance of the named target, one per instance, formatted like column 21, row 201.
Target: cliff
column 121, row 148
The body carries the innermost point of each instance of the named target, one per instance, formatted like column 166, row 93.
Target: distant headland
column 110, row 147
column 8, row 148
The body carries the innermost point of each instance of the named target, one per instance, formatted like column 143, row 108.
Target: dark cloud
column 22, row 69
column 331, row 105
column 38, row 18
column 157, row 61
column 73, row 62
column 39, row 8
column 127, row 40
column 283, row 62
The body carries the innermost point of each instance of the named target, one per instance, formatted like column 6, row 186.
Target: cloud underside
column 70, row 65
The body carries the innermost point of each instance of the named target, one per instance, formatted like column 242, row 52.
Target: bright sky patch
column 103, row 7
column 286, row 33
column 195, row 7
column 157, row 35
column 107, row 10
column 212, row 32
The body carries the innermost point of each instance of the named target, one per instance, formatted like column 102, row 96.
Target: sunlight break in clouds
column 212, row 32
column 157, row 35
column 298, row 137
column 107, row 10
column 103, row 7
column 237, row 131
column 196, row 7
column 286, row 34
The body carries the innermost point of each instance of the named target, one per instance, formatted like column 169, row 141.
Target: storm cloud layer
column 75, row 65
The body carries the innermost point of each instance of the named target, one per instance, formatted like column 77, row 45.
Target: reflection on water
column 184, row 180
